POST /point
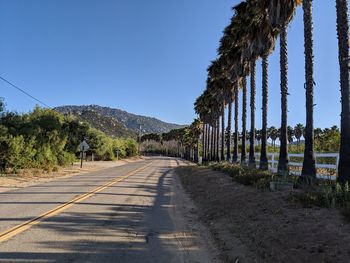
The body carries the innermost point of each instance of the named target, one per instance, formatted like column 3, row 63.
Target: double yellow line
column 28, row 224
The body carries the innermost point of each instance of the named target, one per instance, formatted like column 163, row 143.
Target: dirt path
column 34, row 176
column 249, row 225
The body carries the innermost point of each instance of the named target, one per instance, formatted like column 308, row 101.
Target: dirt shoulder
column 255, row 226
column 31, row 177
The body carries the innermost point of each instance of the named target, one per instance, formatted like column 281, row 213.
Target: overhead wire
column 24, row 92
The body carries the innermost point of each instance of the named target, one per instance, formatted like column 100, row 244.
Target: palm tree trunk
column 212, row 143
column 218, row 140
column 283, row 157
column 244, row 121
column 223, row 133
column 343, row 43
column 235, row 139
column 196, row 152
column 228, row 142
column 208, row 143
column 264, row 164
column 309, row 167
column 215, row 141
column 203, row 142
column 252, row 163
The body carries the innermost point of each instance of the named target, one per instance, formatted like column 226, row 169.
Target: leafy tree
column 2, row 105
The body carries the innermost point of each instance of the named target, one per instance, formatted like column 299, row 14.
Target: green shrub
column 45, row 139
column 330, row 195
column 65, row 159
column 244, row 175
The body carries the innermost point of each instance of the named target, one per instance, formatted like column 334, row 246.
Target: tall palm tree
column 290, row 134
column 208, row 142
column 228, row 142
column 280, row 14
column 222, row 156
column 244, row 121
column 203, row 141
column 217, row 140
column 283, row 156
column 309, row 163
column 273, row 134
column 212, row 143
column 343, row 44
column 298, row 132
column 264, row 164
column 235, row 138
column 252, row 162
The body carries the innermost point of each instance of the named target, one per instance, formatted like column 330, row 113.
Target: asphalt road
column 126, row 214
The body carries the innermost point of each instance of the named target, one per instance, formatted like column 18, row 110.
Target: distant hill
column 106, row 124
column 128, row 120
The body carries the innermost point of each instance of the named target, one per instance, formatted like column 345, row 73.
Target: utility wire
column 24, row 92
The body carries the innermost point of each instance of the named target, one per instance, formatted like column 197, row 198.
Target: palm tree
column 298, row 132
column 212, row 143
column 290, row 134
column 209, row 143
column 252, row 162
column 223, row 132
column 309, row 166
column 228, row 142
column 203, row 141
column 235, row 139
column 280, row 14
column 244, row 120
column 217, row 140
column 343, row 44
column 264, row 164
column 283, row 156
column 273, row 134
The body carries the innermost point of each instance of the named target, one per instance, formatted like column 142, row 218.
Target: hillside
column 129, row 120
column 106, row 124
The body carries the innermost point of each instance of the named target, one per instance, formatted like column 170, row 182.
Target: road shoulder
column 251, row 225
column 196, row 241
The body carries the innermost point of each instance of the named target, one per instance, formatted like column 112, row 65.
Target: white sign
column 83, row 146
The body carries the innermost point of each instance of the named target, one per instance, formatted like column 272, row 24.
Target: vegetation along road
column 131, row 213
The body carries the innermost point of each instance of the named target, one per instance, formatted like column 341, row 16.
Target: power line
column 24, row 92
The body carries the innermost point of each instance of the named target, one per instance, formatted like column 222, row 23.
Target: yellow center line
column 28, row 224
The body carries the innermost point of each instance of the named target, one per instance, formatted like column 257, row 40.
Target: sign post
column 117, row 152
column 83, row 146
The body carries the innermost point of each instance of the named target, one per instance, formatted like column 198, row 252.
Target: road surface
column 132, row 213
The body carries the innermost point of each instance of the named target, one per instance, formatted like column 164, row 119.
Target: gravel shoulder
column 249, row 225
column 31, row 177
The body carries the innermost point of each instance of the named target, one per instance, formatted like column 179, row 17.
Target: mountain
column 106, row 124
column 128, row 120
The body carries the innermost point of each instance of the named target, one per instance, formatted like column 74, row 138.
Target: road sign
column 83, row 146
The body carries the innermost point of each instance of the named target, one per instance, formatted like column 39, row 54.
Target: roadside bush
column 327, row 194
column 66, row 158
column 45, row 139
column 244, row 175
column 16, row 152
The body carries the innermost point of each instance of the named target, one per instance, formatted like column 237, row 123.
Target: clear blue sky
column 147, row 57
